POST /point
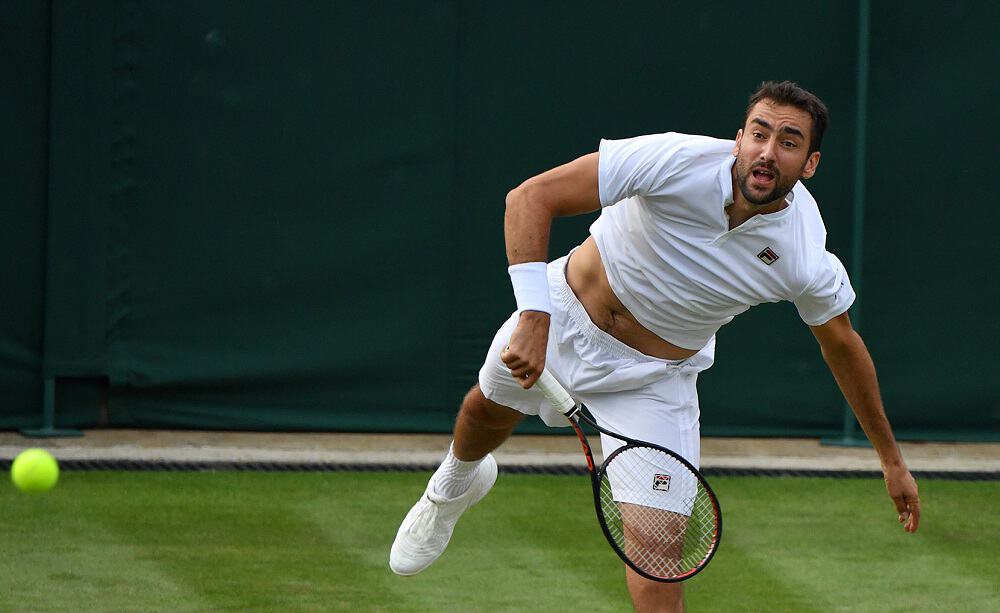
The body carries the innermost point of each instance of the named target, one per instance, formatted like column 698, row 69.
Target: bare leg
column 482, row 426
column 652, row 596
column 658, row 552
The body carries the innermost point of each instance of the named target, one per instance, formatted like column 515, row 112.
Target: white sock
column 454, row 476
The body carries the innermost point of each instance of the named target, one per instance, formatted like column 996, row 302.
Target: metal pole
column 48, row 427
column 849, row 435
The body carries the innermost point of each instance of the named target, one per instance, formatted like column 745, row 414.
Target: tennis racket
column 655, row 508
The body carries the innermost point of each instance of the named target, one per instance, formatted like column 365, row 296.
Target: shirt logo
column 661, row 482
column 768, row 256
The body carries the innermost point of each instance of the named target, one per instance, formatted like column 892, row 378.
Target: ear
column 811, row 164
column 739, row 139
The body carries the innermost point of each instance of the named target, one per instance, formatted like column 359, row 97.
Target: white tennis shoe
column 428, row 526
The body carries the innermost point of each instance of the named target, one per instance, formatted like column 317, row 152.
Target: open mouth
column 763, row 176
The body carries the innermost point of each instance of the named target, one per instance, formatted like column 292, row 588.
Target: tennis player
column 693, row 231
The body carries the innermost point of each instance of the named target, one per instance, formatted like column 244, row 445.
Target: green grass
column 120, row 541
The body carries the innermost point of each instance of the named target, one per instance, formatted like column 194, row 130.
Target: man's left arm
column 851, row 364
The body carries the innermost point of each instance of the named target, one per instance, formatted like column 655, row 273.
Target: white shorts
column 626, row 391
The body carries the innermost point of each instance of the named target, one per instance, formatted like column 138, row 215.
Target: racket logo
column 661, row 483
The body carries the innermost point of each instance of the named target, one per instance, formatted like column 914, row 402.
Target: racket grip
column 555, row 393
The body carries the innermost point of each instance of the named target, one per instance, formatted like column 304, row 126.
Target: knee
column 486, row 413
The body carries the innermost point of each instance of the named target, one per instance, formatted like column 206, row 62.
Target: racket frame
column 573, row 411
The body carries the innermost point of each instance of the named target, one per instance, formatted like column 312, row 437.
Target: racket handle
column 555, row 393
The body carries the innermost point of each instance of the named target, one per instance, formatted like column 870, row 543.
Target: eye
column 758, row 135
column 790, row 144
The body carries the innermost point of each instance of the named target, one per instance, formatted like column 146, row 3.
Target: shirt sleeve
column 828, row 295
column 637, row 166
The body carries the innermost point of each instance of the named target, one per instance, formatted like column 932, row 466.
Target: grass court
column 266, row 541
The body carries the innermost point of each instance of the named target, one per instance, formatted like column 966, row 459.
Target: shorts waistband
column 578, row 315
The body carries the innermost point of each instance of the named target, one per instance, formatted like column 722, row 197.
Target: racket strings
column 658, row 513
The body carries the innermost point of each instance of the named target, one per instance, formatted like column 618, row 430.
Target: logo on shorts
column 768, row 256
column 661, row 483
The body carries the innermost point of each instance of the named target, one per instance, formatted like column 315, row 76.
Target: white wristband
column 531, row 286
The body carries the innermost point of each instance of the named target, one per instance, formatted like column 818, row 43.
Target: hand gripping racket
column 655, row 508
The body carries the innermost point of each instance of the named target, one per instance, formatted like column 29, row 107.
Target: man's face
column 772, row 152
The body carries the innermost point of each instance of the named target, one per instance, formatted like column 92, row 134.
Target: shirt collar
column 726, row 179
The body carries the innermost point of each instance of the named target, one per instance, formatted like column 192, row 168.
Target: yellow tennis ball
column 34, row 470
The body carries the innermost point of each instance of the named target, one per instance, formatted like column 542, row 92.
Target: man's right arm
column 570, row 189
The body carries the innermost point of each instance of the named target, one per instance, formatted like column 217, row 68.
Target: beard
column 781, row 186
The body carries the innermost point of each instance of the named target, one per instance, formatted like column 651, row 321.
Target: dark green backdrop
column 289, row 216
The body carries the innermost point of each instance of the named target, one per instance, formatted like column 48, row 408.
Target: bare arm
column 570, row 189
column 851, row 364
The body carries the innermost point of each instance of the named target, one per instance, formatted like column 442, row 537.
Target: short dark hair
column 789, row 93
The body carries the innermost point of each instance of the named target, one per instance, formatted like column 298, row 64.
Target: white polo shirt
column 674, row 263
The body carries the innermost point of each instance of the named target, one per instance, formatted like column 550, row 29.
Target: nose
column 767, row 151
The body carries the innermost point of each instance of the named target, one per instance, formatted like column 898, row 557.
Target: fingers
column 901, row 508
column 529, row 380
column 912, row 516
column 900, row 503
column 521, row 369
column 512, row 361
column 524, row 354
column 910, row 519
column 903, row 491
